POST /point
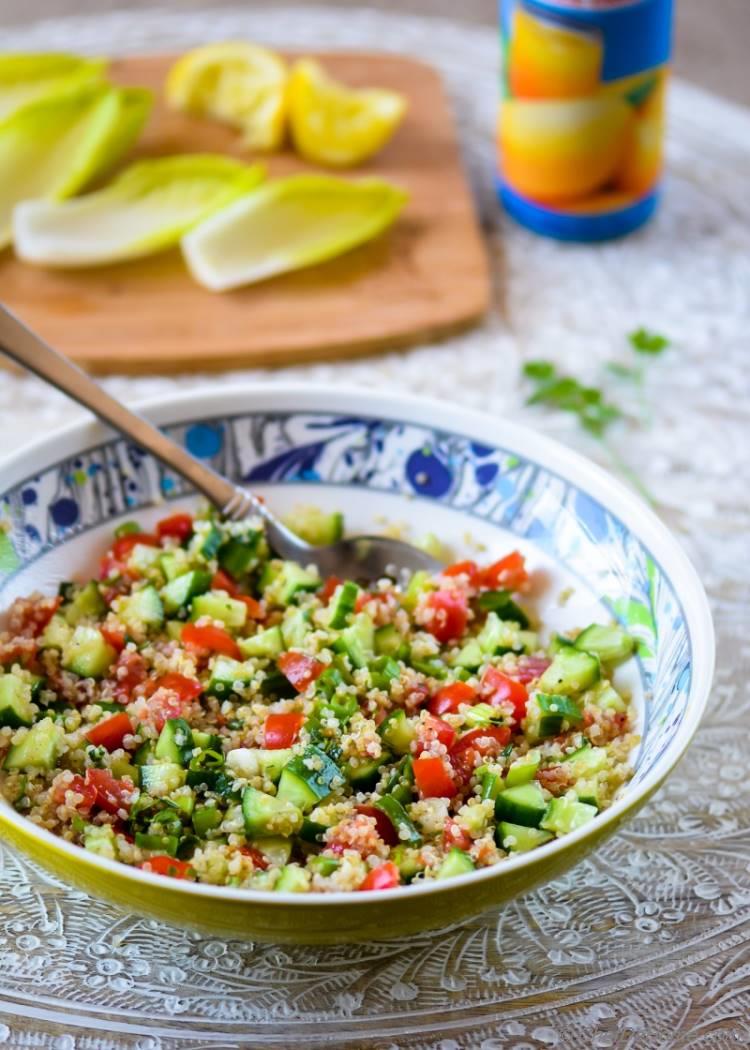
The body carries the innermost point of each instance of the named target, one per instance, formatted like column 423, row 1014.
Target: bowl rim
column 579, row 471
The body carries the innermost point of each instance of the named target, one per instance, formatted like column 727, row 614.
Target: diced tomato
column 123, row 545
column 28, row 617
column 384, row 828
column 215, row 639
column 79, row 785
column 112, row 795
column 472, row 748
column 110, row 732
column 449, row 614
column 449, row 698
column 362, row 599
column 161, row 864
column 329, row 586
column 432, row 777
column 455, row 836
column 509, row 572
column 186, row 688
column 300, row 669
column 282, row 729
column 254, row 608
column 463, row 568
column 433, row 728
column 178, row 525
column 386, row 877
column 130, row 671
column 259, row 861
column 114, row 636
column 497, row 688
column 222, row 581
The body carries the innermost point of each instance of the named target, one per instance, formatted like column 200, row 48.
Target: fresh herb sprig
column 591, row 405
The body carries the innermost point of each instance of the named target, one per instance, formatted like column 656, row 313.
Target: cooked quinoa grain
column 203, row 710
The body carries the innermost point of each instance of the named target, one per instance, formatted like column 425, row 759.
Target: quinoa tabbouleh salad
column 205, row 711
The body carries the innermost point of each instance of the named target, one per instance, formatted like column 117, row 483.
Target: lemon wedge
column 237, row 83
column 145, row 209
column 333, row 124
column 287, row 224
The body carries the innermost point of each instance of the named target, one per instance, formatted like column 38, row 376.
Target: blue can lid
column 564, row 226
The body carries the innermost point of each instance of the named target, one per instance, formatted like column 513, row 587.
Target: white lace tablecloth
column 646, row 944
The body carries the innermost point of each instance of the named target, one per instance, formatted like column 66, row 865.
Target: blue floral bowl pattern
column 482, row 480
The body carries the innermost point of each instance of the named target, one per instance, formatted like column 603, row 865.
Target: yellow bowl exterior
column 365, row 917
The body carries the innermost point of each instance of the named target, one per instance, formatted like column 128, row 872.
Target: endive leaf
column 288, row 224
column 50, row 149
column 30, row 78
column 145, row 209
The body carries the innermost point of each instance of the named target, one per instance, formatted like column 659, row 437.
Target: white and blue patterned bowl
column 460, row 474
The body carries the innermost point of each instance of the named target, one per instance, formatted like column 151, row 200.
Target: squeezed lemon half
column 335, row 125
column 238, row 83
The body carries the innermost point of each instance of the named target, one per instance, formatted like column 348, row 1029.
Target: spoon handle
column 25, row 347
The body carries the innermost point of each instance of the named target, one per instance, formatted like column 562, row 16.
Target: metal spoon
column 359, row 557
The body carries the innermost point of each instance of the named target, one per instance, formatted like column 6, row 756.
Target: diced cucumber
column 480, row 715
column 523, row 769
column 87, row 604
column 341, row 605
column 100, row 839
column 174, row 563
column 589, row 791
column 324, row 866
column 357, row 641
column 15, row 702
column 206, row 540
column 175, row 743
column 389, row 642
column 240, row 554
column 251, row 761
column 456, row 863
column 517, row 838
column 309, row 778
column 312, row 831
column 206, row 819
column 555, row 712
column 141, row 609
column 87, row 653
column 288, row 581
column 161, row 778
column 365, row 774
column 143, row 557
column 611, row 644
column 570, row 672
column 179, row 591
column 219, row 606
column 269, row 643
column 56, row 634
column 144, row 753
column 38, row 749
column 383, row 670
column 404, row 826
column 225, row 672
column 587, row 761
column 558, row 642
column 265, row 815
column 174, row 630
column 293, row 879
column 500, row 636
column 397, row 732
column 274, row 848
column 168, row 844
column 501, row 603
column 127, row 528
column 295, row 627
column 316, row 526
column 420, row 583
column 566, row 814
column 408, row 861
column 523, row 804
column 605, row 697
column 470, row 656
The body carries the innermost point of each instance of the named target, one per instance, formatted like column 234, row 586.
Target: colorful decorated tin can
column 581, row 123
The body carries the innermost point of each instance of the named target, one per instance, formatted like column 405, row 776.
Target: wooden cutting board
column 427, row 277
